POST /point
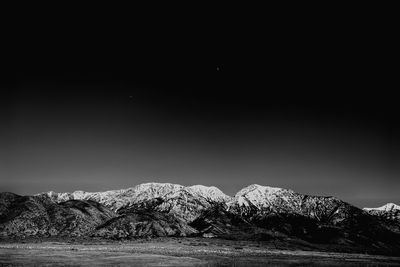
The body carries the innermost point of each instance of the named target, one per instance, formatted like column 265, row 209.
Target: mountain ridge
column 254, row 203
column 256, row 212
column 212, row 193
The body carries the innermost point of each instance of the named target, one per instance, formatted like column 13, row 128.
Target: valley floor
column 172, row 252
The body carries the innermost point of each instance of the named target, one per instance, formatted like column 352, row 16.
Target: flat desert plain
column 172, row 252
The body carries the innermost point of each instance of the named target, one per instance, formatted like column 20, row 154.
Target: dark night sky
column 312, row 112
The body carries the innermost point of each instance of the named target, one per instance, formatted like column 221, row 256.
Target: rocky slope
column 388, row 215
column 22, row 216
column 144, row 224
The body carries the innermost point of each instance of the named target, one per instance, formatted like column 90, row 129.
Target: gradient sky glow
column 312, row 112
column 110, row 137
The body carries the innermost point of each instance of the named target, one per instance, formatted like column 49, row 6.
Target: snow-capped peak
column 386, row 207
column 259, row 195
column 209, row 192
column 258, row 189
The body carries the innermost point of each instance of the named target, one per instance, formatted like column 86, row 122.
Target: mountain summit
column 387, row 207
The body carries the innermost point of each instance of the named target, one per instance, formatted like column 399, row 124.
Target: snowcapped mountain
column 388, row 214
column 260, row 201
column 387, row 208
column 188, row 202
column 165, row 209
column 185, row 202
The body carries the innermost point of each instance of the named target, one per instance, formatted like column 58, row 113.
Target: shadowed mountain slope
column 22, row 216
column 144, row 224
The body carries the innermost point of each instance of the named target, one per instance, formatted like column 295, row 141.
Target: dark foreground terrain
column 173, row 252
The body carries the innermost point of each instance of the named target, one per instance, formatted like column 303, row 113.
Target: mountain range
column 259, row 213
